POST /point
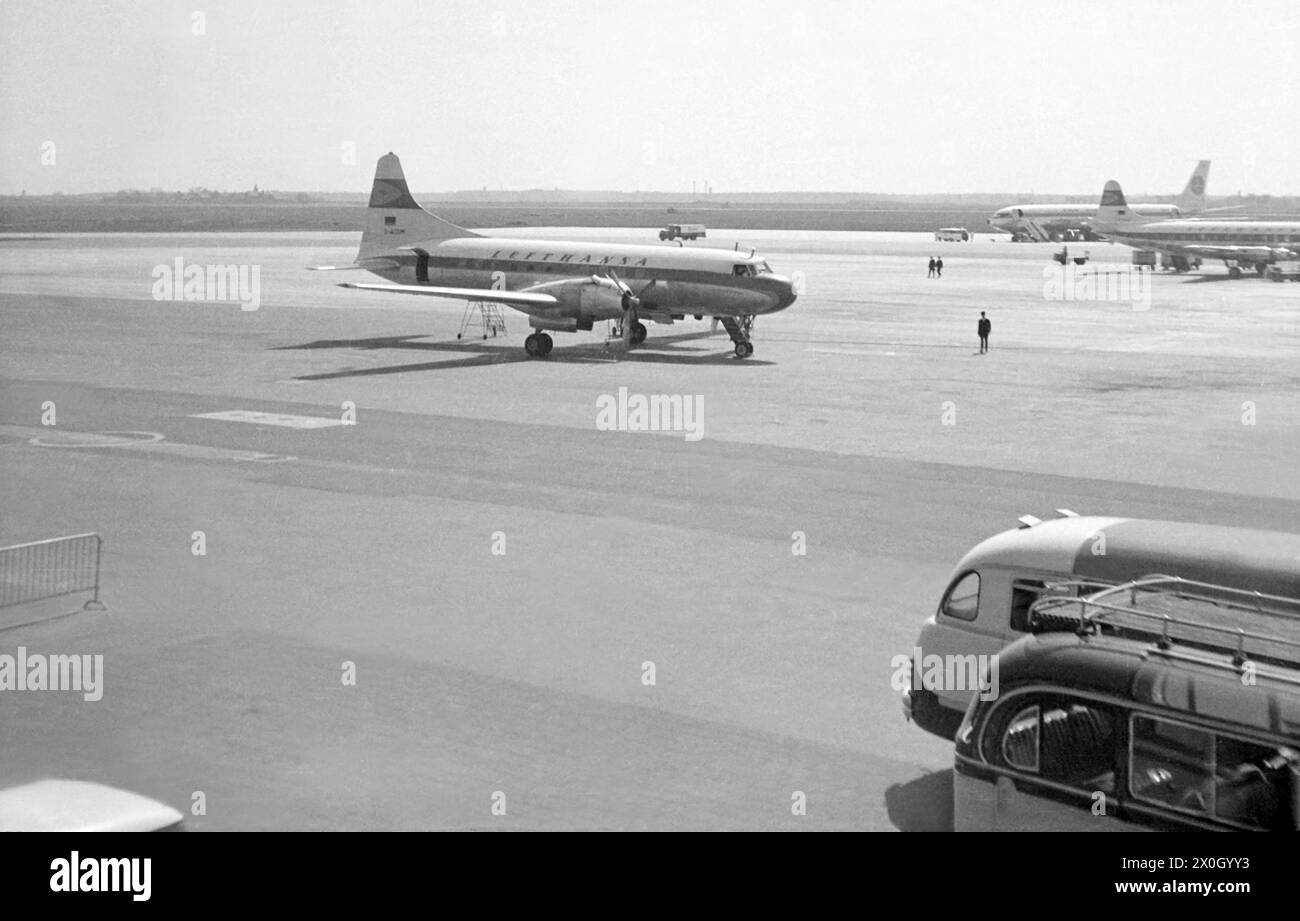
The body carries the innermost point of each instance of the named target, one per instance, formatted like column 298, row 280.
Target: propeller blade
column 629, row 321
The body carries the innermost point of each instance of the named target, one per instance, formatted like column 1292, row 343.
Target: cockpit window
column 743, row 270
column 763, row 268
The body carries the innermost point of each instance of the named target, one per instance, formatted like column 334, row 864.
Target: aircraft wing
column 510, row 298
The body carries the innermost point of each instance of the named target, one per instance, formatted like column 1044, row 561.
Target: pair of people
column 936, row 268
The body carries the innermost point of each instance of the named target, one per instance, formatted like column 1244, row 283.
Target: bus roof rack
column 1174, row 612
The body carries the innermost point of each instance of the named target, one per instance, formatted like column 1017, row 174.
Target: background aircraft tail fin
column 394, row 220
column 1113, row 212
column 1192, row 199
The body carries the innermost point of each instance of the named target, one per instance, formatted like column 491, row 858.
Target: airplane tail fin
column 1192, row 198
column 1113, row 212
column 394, row 220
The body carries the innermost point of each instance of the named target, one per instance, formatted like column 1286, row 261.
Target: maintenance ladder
column 490, row 315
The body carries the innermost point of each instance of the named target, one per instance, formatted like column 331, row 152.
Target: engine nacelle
column 592, row 298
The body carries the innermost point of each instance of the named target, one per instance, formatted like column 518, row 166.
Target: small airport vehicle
column 1158, row 704
column 1171, row 262
column 683, row 232
column 1285, row 271
column 1145, row 257
column 952, row 235
column 1063, row 257
column 79, row 805
column 986, row 604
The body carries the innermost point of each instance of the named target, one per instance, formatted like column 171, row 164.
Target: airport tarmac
column 866, row 420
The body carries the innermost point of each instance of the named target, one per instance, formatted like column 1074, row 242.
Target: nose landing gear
column 739, row 329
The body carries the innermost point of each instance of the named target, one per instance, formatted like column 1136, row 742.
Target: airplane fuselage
column 671, row 281
column 1039, row 221
column 1167, row 235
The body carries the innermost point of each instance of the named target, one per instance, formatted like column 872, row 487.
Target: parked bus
column 986, row 604
column 1160, row 704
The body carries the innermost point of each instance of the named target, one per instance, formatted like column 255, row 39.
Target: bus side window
column 1020, row 742
column 963, row 599
column 1254, row 784
column 1061, row 739
column 1172, row 763
column 1024, row 592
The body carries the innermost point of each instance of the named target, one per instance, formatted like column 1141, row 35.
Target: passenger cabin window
column 963, row 599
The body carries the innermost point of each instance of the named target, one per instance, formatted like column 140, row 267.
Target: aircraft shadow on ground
column 924, row 804
column 657, row 350
column 1211, row 279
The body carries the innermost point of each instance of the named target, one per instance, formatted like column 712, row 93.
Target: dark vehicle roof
column 1135, row 669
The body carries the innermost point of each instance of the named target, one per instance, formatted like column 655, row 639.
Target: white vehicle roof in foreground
column 78, row 805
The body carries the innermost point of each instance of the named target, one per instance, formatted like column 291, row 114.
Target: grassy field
column 80, row 216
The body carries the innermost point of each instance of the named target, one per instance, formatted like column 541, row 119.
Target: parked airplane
column 1047, row 222
column 1240, row 244
column 562, row 286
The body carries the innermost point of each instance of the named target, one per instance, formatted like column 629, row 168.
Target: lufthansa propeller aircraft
column 562, row 286
column 1044, row 222
column 1240, row 244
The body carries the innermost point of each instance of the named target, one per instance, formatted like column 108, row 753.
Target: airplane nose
column 787, row 291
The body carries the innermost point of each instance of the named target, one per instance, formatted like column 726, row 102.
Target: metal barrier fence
column 51, row 568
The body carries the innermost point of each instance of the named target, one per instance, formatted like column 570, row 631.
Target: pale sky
column 753, row 96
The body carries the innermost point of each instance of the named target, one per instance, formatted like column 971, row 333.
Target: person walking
column 938, row 267
column 931, row 272
column 984, row 328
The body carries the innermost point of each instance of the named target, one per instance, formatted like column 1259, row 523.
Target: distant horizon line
column 594, row 195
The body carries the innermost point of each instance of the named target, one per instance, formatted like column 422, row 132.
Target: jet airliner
column 1043, row 222
column 1240, row 244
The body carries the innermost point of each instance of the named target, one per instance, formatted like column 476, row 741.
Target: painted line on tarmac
column 140, row 442
column 851, row 352
column 284, row 420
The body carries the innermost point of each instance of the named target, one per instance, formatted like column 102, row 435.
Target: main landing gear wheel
column 1234, row 272
column 744, row 349
column 538, row 345
column 638, row 332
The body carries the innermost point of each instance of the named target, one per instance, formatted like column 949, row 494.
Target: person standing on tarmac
column 984, row 328
column 938, row 267
column 931, row 273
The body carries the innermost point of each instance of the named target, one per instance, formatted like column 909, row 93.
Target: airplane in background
column 1240, row 243
column 561, row 286
column 1042, row 223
